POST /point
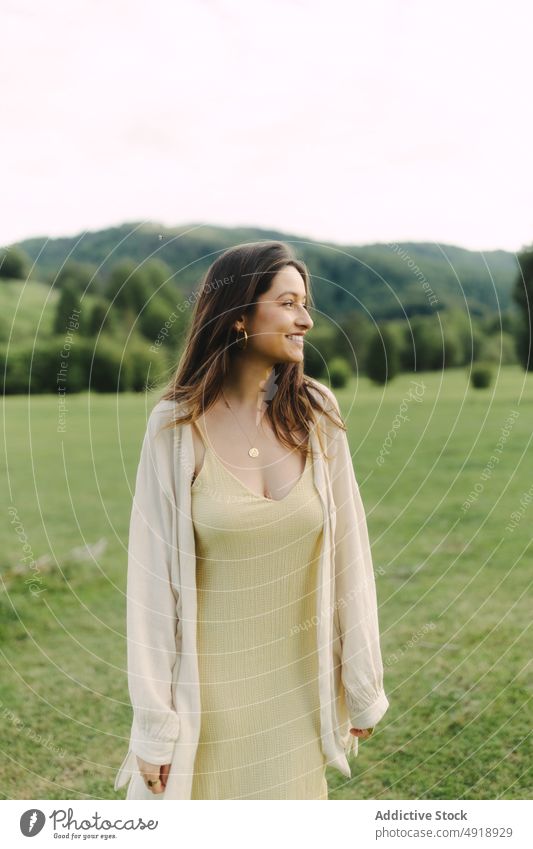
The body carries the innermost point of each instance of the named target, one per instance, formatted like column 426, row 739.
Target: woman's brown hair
column 231, row 287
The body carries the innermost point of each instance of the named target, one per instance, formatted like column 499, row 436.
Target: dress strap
column 207, row 452
column 199, row 429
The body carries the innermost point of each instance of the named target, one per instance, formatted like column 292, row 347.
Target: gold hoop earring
column 239, row 340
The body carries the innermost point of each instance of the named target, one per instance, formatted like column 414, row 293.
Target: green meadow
column 446, row 477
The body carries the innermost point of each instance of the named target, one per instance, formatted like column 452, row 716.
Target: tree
column 383, row 361
column 421, row 345
column 148, row 369
column 481, row 375
column 158, row 276
column 339, row 372
column 314, row 365
column 319, row 348
column 101, row 318
column 353, row 337
column 523, row 297
column 14, row 263
column 109, row 369
column 79, row 275
column 128, row 287
column 67, row 317
column 448, row 349
column 161, row 325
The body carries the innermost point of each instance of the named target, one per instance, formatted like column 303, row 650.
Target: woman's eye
column 290, row 303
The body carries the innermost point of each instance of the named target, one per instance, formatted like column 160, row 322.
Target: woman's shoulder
column 319, row 391
column 163, row 414
column 165, row 406
column 328, row 419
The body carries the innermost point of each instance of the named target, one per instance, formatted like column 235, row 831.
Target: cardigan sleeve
column 152, row 600
column 356, row 609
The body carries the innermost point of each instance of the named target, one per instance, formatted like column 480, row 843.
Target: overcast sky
column 341, row 121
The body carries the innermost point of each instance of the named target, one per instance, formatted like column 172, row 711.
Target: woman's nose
column 306, row 321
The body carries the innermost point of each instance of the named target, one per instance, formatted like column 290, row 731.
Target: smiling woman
column 232, row 698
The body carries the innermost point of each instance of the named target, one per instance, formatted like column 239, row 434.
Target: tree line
column 117, row 342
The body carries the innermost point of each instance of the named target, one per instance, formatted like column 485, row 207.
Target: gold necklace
column 252, row 451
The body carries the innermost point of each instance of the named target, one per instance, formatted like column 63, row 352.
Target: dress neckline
column 266, row 498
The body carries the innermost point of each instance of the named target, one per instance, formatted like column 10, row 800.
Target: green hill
column 387, row 281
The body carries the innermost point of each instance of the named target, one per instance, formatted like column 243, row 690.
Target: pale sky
column 332, row 120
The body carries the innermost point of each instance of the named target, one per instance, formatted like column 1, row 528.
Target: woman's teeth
column 298, row 339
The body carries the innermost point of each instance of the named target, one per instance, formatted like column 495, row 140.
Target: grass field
column 453, row 586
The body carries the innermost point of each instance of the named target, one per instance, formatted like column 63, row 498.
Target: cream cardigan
column 161, row 607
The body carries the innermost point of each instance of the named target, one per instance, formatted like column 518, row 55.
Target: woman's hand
column 154, row 773
column 363, row 733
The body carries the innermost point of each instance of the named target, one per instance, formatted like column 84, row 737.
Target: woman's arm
column 151, row 598
column 356, row 601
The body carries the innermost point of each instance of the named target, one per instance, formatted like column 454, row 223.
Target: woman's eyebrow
column 296, row 295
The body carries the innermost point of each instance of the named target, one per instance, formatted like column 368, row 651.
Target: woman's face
column 280, row 313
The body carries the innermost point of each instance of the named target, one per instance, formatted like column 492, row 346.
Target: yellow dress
column 257, row 561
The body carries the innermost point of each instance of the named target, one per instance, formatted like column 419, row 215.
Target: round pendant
column 253, row 452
